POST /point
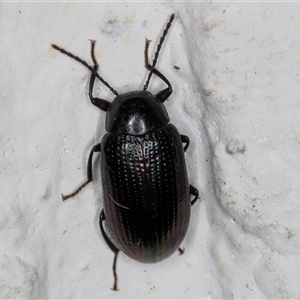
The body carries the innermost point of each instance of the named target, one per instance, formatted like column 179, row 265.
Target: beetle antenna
column 162, row 38
column 93, row 70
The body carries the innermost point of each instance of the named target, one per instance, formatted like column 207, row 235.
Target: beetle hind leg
column 96, row 148
column 112, row 247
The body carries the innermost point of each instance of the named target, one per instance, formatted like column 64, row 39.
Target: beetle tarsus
column 112, row 248
column 65, row 197
column 96, row 66
column 181, row 250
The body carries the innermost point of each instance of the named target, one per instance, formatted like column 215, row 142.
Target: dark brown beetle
column 145, row 185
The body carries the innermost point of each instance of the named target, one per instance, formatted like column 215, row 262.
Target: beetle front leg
column 92, row 69
column 100, row 103
column 112, row 247
column 164, row 94
column 194, row 192
column 96, row 148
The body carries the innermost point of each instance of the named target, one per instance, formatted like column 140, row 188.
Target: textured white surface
column 236, row 95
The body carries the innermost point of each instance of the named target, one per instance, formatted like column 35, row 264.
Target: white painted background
column 236, row 95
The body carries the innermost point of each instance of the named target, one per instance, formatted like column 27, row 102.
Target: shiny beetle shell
column 145, row 190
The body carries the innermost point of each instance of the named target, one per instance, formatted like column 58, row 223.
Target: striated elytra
column 146, row 193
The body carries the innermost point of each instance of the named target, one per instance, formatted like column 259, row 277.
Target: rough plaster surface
column 236, row 94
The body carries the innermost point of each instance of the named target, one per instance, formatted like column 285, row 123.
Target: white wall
column 236, row 95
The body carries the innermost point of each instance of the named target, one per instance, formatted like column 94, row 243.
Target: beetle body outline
column 145, row 185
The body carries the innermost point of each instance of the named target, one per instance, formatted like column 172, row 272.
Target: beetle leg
column 181, row 250
column 96, row 148
column 194, row 192
column 160, row 43
column 185, row 139
column 112, row 247
column 100, row 103
column 164, row 94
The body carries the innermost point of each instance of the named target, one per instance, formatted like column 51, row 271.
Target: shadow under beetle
column 145, row 185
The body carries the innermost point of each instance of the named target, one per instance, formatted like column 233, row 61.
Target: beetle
column 146, row 193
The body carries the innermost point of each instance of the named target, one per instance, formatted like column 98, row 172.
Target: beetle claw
column 114, row 288
column 181, row 250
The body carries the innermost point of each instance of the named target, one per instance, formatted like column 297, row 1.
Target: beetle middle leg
column 100, row 103
column 185, row 139
column 113, row 249
column 96, row 148
column 194, row 192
